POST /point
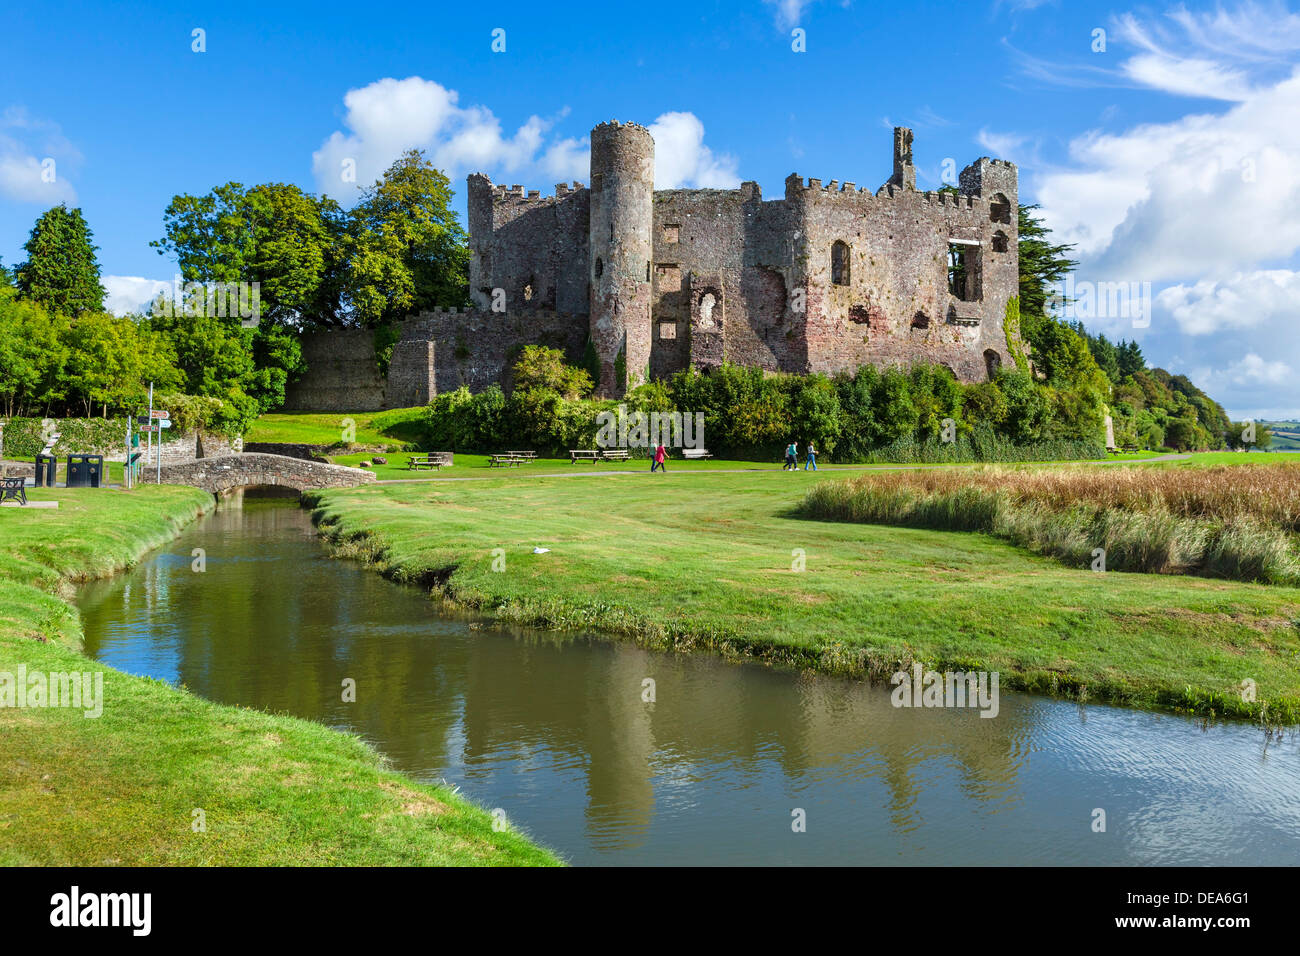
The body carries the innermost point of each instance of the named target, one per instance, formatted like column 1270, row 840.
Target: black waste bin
column 84, row 471
column 47, row 468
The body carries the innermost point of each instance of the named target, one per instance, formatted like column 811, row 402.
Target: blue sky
column 1172, row 156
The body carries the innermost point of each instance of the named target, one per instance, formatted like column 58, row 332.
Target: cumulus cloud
column 35, row 159
column 1203, row 206
column 131, row 293
column 682, row 159
column 1258, row 299
column 389, row 116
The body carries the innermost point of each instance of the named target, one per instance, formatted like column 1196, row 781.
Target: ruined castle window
column 668, row 330
column 840, row 263
column 528, row 293
column 706, row 310
column 999, row 241
column 672, row 232
column 600, row 267
column 920, row 321
column 669, row 277
column 963, row 270
column 1000, row 209
column 647, row 270
column 992, row 361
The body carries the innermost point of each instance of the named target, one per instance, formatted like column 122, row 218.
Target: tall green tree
column 286, row 240
column 1043, row 263
column 409, row 251
column 61, row 271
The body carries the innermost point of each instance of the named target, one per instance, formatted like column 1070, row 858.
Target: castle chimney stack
column 904, row 172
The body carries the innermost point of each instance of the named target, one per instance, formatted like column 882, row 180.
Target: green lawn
column 707, row 560
column 398, row 426
column 1204, row 458
column 123, row 788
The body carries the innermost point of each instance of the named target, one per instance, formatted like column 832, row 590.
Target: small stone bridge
column 226, row 472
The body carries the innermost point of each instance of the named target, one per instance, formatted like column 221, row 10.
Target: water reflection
column 555, row 731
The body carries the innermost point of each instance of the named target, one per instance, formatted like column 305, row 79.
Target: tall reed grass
column 1240, row 522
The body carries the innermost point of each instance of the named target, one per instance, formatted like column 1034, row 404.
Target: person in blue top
column 812, row 458
column 791, row 458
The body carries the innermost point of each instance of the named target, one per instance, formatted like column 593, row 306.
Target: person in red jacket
column 660, row 454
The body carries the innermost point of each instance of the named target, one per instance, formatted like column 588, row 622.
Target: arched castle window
column 840, row 263
column 999, row 241
column 1000, row 209
column 992, row 361
column 600, row 267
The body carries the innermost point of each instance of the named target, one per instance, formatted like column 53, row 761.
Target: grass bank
column 124, row 788
column 1231, row 522
column 720, row 562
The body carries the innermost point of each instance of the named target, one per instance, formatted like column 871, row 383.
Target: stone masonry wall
column 342, row 374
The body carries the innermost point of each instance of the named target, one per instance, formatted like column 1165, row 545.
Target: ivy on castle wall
column 1011, row 325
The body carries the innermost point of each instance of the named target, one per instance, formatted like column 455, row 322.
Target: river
column 721, row 767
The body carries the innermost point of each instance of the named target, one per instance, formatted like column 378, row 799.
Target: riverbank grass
column 721, row 562
column 165, row 777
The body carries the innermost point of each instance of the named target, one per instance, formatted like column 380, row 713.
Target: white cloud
column 388, row 117
column 35, row 159
column 1244, row 301
column 1205, row 195
column 131, row 293
column 682, row 159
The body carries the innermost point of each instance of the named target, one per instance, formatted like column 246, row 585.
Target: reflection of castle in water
column 434, row 697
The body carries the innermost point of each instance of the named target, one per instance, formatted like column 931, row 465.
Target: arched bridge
column 226, row 472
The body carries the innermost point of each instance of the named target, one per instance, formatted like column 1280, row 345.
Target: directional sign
column 150, row 428
column 165, row 423
column 158, row 413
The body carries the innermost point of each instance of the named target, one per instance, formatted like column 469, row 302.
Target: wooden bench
column 435, row 461
column 13, row 489
column 1130, row 448
column 505, row 460
column 615, row 454
column 583, row 454
column 695, row 453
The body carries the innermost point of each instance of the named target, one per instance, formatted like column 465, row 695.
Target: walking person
column 660, row 454
column 791, row 457
column 812, row 458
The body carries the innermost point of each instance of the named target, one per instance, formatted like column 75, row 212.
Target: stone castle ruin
column 826, row 279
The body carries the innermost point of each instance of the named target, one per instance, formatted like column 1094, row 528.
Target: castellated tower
column 622, row 215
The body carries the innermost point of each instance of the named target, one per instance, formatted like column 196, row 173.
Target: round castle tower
column 622, row 216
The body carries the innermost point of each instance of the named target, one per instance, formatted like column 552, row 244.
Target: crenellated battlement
column 518, row 193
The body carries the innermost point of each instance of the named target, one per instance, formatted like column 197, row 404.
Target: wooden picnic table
column 583, row 454
column 434, row 461
column 505, row 460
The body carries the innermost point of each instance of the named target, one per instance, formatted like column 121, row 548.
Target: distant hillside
column 1286, row 435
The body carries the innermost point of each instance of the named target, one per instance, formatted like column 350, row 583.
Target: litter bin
column 84, row 471
column 47, row 467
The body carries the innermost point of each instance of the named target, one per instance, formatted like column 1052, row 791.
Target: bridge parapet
column 226, row 472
